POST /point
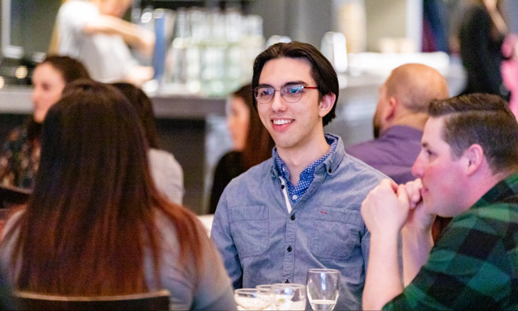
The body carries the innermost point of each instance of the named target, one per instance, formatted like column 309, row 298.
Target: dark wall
column 32, row 22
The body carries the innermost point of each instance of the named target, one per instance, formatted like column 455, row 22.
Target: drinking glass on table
column 288, row 296
column 252, row 298
column 323, row 286
column 267, row 287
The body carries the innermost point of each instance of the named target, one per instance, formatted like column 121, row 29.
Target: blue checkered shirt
column 307, row 175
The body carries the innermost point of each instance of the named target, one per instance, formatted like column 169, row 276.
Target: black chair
column 158, row 300
column 12, row 196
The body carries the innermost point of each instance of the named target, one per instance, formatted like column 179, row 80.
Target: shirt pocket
column 336, row 233
column 249, row 228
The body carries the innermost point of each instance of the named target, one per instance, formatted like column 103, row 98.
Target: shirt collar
column 403, row 132
column 502, row 191
column 332, row 158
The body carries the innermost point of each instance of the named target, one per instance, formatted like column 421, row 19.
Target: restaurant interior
column 364, row 39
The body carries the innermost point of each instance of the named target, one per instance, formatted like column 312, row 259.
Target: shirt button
column 330, row 171
column 282, row 186
column 292, row 217
column 289, row 249
column 294, row 197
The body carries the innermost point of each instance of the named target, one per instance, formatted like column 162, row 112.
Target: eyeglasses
column 290, row 93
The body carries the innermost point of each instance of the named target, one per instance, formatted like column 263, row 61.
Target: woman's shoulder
column 17, row 141
column 10, row 234
column 76, row 12
column 161, row 156
column 74, row 6
column 17, row 134
column 231, row 162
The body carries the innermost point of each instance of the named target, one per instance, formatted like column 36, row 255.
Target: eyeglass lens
column 290, row 93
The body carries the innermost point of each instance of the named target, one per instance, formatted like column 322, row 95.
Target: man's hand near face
column 388, row 210
column 385, row 212
column 416, row 233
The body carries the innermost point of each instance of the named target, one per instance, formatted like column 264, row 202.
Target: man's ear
column 326, row 104
column 473, row 158
column 390, row 110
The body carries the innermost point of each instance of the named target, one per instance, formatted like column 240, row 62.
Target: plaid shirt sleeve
column 475, row 263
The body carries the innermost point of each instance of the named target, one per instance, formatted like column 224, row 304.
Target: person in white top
column 94, row 32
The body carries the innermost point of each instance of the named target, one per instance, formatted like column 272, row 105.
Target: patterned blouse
column 19, row 159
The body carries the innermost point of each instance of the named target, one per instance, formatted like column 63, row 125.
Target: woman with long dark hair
column 20, row 154
column 95, row 224
column 252, row 144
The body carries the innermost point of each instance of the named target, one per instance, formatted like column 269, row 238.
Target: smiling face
column 442, row 175
column 48, row 84
column 291, row 125
column 238, row 122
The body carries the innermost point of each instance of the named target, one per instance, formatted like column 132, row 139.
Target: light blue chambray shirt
column 261, row 243
column 307, row 175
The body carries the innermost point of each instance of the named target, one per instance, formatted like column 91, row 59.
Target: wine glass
column 252, row 298
column 267, row 287
column 323, row 286
column 288, row 296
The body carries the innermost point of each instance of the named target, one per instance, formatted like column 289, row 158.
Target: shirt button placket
column 290, row 243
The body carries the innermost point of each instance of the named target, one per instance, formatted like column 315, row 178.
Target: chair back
column 12, row 196
column 158, row 300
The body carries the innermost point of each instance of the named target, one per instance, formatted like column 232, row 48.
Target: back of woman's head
column 92, row 198
column 144, row 108
column 70, row 68
column 91, row 216
column 92, row 138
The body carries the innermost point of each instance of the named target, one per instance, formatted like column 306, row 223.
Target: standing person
column 301, row 208
column 96, row 225
column 94, row 32
column 399, row 120
column 482, row 32
column 20, row 154
column 252, row 144
column 165, row 170
column 467, row 169
column 510, row 70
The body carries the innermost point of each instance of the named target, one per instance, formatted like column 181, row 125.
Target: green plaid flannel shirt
column 474, row 265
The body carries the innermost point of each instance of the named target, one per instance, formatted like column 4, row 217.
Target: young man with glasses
column 301, row 208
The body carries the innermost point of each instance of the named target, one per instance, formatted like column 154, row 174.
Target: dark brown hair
column 259, row 143
column 144, row 107
column 321, row 69
column 70, row 68
column 91, row 217
column 482, row 119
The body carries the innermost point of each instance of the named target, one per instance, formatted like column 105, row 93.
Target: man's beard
column 376, row 126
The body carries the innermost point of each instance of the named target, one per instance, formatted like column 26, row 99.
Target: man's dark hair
column 321, row 69
column 482, row 119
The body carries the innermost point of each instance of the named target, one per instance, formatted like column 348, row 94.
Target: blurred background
column 205, row 50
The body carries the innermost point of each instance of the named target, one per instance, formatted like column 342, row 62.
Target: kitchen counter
column 17, row 100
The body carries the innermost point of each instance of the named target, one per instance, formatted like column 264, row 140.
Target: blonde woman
column 94, row 32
